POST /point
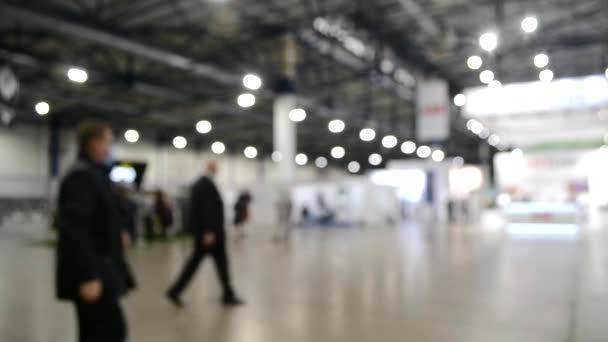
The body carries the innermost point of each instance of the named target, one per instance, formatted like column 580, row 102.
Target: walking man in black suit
column 91, row 269
column 206, row 222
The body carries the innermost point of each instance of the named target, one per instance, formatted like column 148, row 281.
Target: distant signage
column 433, row 120
column 538, row 97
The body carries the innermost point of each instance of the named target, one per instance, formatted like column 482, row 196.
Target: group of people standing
column 92, row 271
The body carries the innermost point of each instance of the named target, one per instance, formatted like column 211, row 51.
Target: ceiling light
column 297, row 115
column 541, row 60
column 517, row 153
column 321, row 162
column 408, row 147
column 246, row 100
column 250, row 152
column 389, row 141
column 277, row 156
column 218, row 147
column 488, row 41
column 180, row 142
column 486, row 76
column 423, row 151
column 252, row 82
column 42, row 108
column 474, row 62
column 336, row 126
column 475, row 126
column 354, row 167
column 529, row 24
column 338, row 152
column 546, row 75
column 77, row 75
column 458, row 161
column 367, row 134
column 438, row 155
column 375, row 159
column 387, row 66
column 494, row 140
column 484, row 134
column 495, row 84
column 460, row 100
column 301, row 159
column 132, row 136
column 203, row 126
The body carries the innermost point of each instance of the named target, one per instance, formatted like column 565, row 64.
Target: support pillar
column 285, row 134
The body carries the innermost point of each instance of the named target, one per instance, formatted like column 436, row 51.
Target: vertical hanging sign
column 433, row 111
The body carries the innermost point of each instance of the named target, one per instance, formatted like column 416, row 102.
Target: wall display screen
column 130, row 173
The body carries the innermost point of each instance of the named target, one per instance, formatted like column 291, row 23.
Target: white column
column 285, row 136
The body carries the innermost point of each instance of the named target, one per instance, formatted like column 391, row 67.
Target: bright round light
column 218, row 147
column 297, row 115
column 251, row 152
column 321, row 162
column 42, row 108
column 203, row 126
column 77, row 75
column 484, row 134
column 367, row 134
column 460, row 100
column 517, row 153
column 252, row 82
column 336, row 126
column 375, row 159
column 354, row 167
column 541, row 60
column 277, row 156
column 488, row 41
column 486, row 76
column 529, row 24
column 495, row 84
column 458, row 161
column 494, row 140
column 338, row 152
column 474, row 62
column 438, row 156
column 389, row 141
column 423, row 151
column 408, row 147
column 475, row 126
column 180, row 142
column 131, row 136
column 301, row 159
column 546, row 75
column 246, row 100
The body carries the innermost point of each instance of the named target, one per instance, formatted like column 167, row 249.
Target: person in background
column 163, row 213
column 128, row 212
column 91, row 269
column 284, row 208
column 241, row 214
column 207, row 224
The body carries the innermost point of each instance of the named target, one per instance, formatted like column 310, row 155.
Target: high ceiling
column 161, row 65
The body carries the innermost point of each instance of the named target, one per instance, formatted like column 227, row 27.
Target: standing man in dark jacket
column 207, row 224
column 91, row 269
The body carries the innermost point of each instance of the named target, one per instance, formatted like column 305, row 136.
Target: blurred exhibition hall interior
column 355, row 170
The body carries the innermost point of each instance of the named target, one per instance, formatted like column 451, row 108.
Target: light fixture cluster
column 251, row 82
column 489, row 42
column 477, row 128
column 74, row 74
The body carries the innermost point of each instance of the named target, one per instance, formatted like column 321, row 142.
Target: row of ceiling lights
column 483, row 132
column 246, row 100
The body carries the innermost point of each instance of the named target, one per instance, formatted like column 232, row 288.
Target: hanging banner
column 433, row 107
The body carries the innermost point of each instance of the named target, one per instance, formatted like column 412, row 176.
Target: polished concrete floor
column 410, row 283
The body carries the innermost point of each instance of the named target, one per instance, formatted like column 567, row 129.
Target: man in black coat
column 91, row 269
column 206, row 222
